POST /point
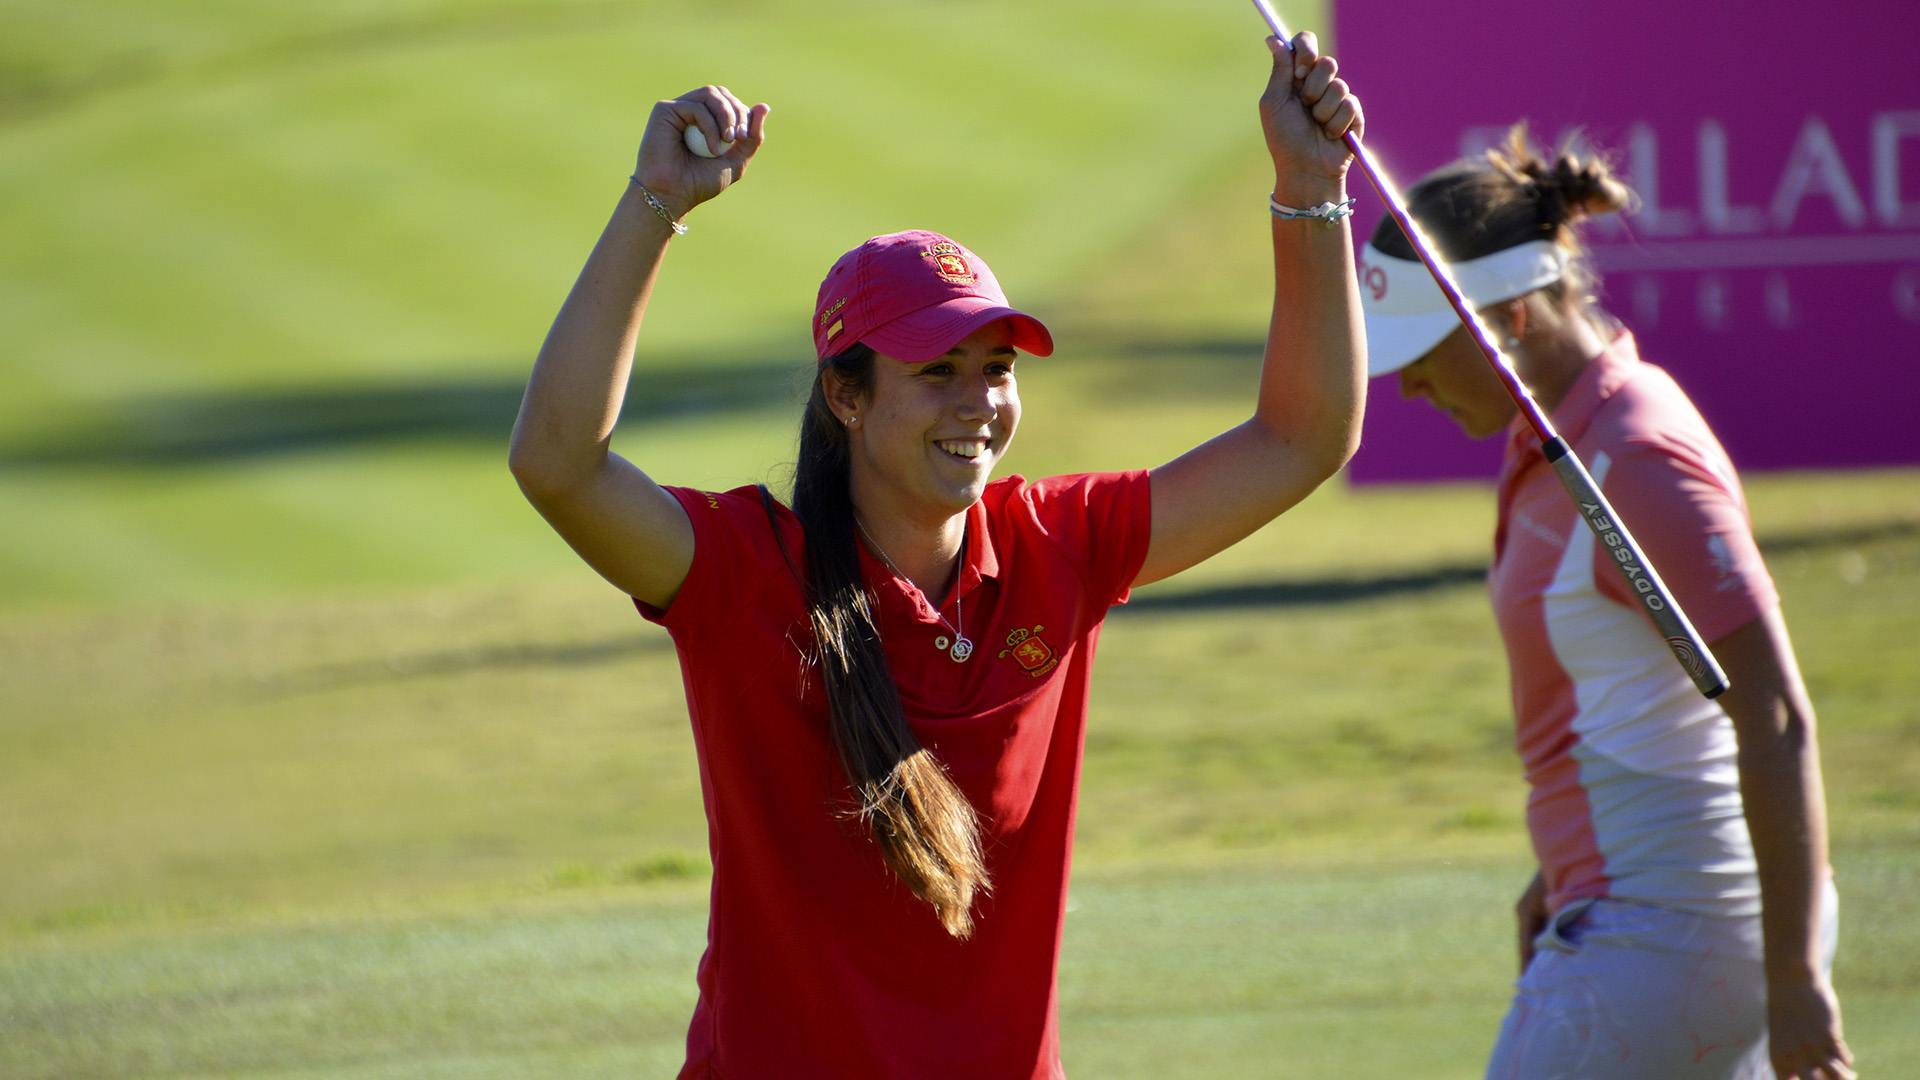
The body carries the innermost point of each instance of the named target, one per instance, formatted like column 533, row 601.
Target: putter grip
column 1661, row 607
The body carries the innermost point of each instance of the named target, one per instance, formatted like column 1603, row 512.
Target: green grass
column 205, row 201
column 320, row 756
column 457, row 831
column 276, row 751
column 1191, row 973
column 278, row 196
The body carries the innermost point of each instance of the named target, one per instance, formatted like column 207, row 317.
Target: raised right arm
column 618, row 519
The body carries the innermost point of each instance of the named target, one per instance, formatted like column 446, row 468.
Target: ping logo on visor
column 1373, row 278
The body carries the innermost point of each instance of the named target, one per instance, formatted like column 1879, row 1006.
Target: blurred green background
column 320, row 756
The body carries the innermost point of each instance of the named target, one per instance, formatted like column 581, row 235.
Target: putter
column 1671, row 622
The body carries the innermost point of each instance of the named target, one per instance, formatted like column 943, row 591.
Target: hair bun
column 1573, row 187
column 1587, row 186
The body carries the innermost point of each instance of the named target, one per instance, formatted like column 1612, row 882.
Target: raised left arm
column 1780, row 785
column 1306, row 421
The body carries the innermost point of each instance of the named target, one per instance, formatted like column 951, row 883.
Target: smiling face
column 1458, row 381
column 928, row 435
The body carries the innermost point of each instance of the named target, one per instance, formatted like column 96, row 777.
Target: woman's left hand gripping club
column 1307, row 111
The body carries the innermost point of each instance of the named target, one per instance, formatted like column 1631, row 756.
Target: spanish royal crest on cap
column 951, row 263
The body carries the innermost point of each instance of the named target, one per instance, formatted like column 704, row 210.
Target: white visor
column 1407, row 314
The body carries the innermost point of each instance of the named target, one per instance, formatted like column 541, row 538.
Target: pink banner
column 1775, row 266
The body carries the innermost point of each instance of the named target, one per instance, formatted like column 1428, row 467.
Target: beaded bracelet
column 1331, row 213
column 658, row 207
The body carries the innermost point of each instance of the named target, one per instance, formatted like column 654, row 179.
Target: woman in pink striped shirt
column 1683, row 919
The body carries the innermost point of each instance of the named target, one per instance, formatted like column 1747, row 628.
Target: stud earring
column 1510, row 343
column 852, row 420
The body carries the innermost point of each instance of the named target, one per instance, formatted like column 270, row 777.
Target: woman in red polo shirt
column 888, row 680
column 1683, row 919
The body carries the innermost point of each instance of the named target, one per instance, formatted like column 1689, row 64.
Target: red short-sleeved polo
column 819, row 963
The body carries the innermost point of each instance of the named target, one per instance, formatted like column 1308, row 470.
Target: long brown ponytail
column 926, row 828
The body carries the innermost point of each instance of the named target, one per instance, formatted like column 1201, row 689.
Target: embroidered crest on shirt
column 1034, row 656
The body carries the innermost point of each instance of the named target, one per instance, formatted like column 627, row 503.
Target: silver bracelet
column 1331, row 213
column 658, row 207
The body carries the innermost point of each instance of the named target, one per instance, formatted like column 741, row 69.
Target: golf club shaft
column 1672, row 623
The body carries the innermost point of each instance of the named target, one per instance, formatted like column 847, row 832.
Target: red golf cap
column 913, row 296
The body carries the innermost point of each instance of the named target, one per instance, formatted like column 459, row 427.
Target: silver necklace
column 960, row 648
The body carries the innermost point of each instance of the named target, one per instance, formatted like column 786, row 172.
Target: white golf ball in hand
column 697, row 143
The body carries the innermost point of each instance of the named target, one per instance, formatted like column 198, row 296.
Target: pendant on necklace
column 960, row 648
